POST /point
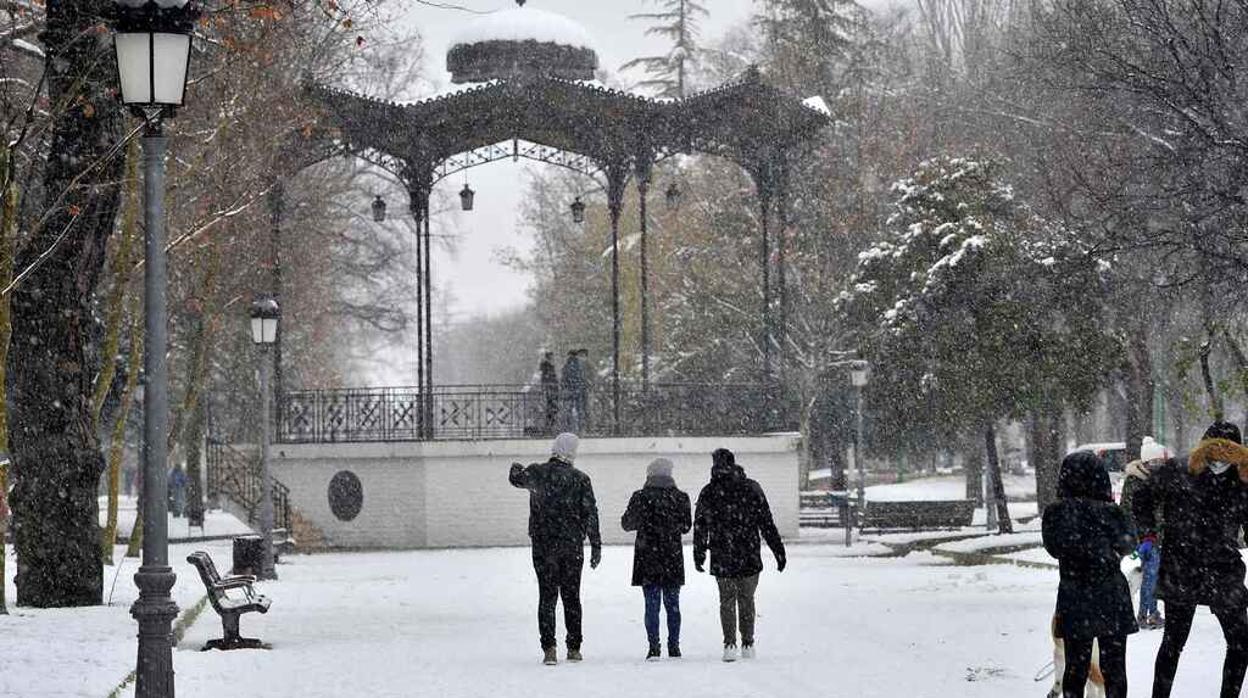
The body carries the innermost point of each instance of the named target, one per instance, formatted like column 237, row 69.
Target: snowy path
column 461, row 623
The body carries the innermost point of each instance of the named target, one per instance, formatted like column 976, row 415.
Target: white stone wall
column 456, row 494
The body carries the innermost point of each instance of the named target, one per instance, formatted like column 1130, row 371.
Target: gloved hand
column 698, row 565
column 595, row 558
column 1138, row 469
column 781, row 561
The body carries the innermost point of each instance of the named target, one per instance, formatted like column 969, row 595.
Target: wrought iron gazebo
column 533, row 98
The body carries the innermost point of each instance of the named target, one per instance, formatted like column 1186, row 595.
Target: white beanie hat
column 565, row 447
column 659, row 467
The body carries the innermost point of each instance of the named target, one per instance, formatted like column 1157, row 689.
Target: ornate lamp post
column 153, row 47
column 379, row 210
column 674, row 196
column 859, row 376
column 265, row 315
column 578, row 211
column 467, row 197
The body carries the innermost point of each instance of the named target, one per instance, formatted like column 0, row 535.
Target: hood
column 564, row 448
column 724, row 465
column 1218, row 449
column 1083, row 476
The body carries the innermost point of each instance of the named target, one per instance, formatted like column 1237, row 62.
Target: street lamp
column 379, row 210
column 673, row 196
column 578, row 211
column 153, row 51
column 467, row 197
column 265, row 315
column 859, row 376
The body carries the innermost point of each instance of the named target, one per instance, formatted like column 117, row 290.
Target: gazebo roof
column 523, row 42
column 747, row 121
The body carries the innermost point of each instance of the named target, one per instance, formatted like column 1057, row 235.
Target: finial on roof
column 520, row 3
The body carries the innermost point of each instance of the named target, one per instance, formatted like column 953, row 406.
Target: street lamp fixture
column 674, row 196
column 467, row 197
column 265, row 316
column 859, row 374
column 379, row 210
column 152, row 41
column 153, row 46
column 578, row 211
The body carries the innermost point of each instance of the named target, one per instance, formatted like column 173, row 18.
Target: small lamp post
column 265, row 315
column 578, row 211
column 467, row 197
column 674, row 196
column 859, row 376
column 153, row 50
column 379, row 210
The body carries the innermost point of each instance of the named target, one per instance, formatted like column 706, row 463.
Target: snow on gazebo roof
column 519, row 43
column 525, row 24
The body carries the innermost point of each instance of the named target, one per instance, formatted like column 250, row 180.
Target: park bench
column 230, row 608
column 825, row 509
column 918, row 516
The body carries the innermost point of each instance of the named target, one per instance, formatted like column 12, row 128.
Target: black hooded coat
column 732, row 513
column 1089, row 535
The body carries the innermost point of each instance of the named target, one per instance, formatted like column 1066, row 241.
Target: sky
column 477, row 282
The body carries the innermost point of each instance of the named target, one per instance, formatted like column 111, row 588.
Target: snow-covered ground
column 461, row 623
column 216, row 522
column 946, row 488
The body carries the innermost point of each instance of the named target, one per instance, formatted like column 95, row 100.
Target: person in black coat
column 732, row 512
column 562, row 514
column 1090, row 535
column 550, row 389
column 1203, row 502
column 660, row 514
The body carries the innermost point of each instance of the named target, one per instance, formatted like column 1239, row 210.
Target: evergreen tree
column 812, row 43
column 678, row 22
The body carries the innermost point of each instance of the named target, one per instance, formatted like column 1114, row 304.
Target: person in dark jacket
column 1203, row 502
column 1090, row 535
column 562, row 514
column 660, row 514
column 574, row 388
column 550, row 390
column 732, row 512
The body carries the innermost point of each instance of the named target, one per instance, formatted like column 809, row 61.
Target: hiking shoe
column 574, row 655
column 1153, row 621
column 747, row 651
column 730, row 653
column 673, row 650
column 550, row 657
column 654, row 653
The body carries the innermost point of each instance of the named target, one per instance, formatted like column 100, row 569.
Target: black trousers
column 1113, row 666
column 558, row 570
column 1179, row 625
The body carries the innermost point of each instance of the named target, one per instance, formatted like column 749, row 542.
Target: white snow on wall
column 525, row 24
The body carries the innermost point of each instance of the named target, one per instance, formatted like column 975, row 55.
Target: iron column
column 267, row 570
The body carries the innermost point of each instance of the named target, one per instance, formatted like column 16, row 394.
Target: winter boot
column 654, row 652
column 747, row 651
column 574, row 655
column 730, row 653
column 549, row 656
column 673, row 650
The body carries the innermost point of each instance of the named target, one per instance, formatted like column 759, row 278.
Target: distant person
column 1149, row 552
column 1197, row 505
column 178, row 482
column 562, row 514
column 1090, row 535
column 660, row 514
column 732, row 512
column 550, row 390
column 575, row 393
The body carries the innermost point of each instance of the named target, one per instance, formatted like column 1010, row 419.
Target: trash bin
column 248, row 555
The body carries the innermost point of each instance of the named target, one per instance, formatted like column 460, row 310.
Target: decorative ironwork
column 235, row 474
column 516, row 150
column 520, row 412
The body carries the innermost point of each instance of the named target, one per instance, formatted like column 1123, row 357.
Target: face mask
column 1218, row 467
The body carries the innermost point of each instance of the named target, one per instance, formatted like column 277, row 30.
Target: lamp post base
column 155, row 611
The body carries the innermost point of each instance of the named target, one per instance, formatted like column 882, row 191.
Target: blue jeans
column 1151, row 564
column 671, row 603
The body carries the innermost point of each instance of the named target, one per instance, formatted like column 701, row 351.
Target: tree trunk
column 8, row 234
column 57, row 461
column 118, row 446
column 1004, row 525
column 973, row 464
column 1139, row 385
column 1048, row 458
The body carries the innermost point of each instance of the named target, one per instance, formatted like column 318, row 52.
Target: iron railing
column 235, row 474
column 513, row 412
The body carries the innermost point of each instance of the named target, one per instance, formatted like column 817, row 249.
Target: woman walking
column 660, row 514
column 1089, row 535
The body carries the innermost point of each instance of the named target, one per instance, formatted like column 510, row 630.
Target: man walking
column 731, row 513
column 550, row 390
column 1203, row 502
column 572, row 382
column 562, row 514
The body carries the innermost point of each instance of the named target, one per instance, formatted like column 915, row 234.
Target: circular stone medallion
column 346, row 495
